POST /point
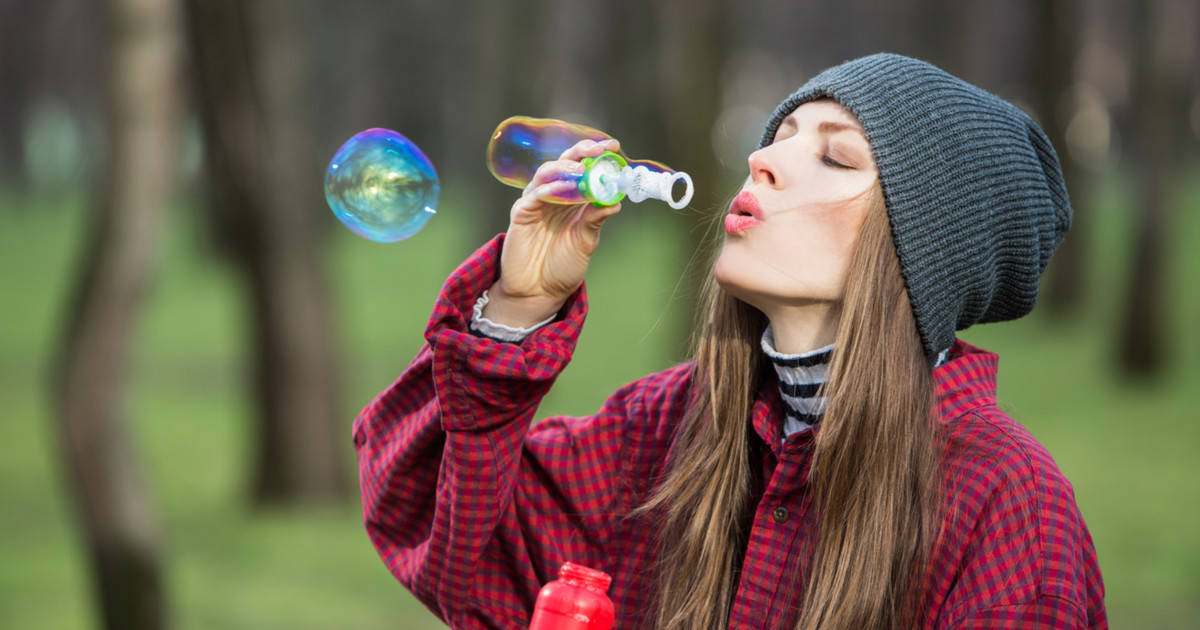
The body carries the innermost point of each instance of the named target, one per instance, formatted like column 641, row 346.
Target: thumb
column 595, row 216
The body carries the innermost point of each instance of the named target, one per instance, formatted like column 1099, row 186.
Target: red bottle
column 575, row 601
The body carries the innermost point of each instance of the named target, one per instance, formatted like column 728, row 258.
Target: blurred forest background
column 188, row 333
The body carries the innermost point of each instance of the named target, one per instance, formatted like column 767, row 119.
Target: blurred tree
column 629, row 79
column 267, row 206
column 572, row 59
column 142, row 110
column 508, row 75
column 457, row 97
column 1056, row 25
column 574, row 71
column 933, row 30
column 17, row 41
column 49, row 126
column 693, row 46
column 1165, row 51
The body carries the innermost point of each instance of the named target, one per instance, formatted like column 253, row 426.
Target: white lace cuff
column 500, row 332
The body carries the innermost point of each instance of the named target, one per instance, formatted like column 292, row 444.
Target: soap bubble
column 381, row 186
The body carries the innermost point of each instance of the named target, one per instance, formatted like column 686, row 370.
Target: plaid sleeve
column 1029, row 559
column 576, row 481
column 1045, row 612
column 468, row 506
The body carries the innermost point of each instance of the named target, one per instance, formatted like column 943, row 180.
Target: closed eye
column 830, row 162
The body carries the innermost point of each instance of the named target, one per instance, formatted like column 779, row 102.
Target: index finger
column 590, row 148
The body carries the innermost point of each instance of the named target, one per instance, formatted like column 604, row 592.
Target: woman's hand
column 548, row 245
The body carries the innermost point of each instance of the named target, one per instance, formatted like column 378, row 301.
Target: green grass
column 1127, row 448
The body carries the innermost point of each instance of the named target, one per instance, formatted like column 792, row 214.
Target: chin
column 725, row 270
column 737, row 280
column 759, row 285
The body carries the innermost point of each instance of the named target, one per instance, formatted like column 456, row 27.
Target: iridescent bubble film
column 521, row 144
column 381, row 186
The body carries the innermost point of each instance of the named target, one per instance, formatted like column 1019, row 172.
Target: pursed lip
column 744, row 213
column 746, row 204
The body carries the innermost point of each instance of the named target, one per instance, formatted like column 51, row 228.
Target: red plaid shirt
column 473, row 507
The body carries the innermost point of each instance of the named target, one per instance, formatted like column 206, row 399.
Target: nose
column 762, row 171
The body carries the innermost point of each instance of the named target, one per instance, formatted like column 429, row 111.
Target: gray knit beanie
column 973, row 188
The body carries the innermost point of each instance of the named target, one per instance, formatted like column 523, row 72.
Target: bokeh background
column 186, row 333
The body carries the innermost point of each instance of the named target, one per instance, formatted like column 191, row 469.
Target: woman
column 833, row 457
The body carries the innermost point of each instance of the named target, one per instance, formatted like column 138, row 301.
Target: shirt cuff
column 500, row 332
column 481, row 383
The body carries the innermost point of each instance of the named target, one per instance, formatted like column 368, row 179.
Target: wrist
column 518, row 312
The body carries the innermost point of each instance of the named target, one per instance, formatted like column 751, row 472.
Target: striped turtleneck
column 799, row 377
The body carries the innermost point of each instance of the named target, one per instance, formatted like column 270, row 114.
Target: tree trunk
column 119, row 526
column 509, row 77
column 17, row 41
column 1057, row 23
column 267, row 205
column 1161, row 62
column 693, row 47
column 931, row 30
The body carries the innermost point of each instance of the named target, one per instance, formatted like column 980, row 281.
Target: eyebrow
column 834, row 127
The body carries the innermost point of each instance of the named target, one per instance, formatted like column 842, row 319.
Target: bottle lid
column 601, row 178
column 586, row 577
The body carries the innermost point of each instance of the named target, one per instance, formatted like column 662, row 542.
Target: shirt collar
column 964, row 381
column 804, row 359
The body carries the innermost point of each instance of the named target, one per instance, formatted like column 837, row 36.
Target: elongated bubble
column 381, row 186
column 521, row 144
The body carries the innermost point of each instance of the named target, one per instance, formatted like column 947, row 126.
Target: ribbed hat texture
column 973, row 188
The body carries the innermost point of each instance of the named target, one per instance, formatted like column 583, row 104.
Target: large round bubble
column 381, row 186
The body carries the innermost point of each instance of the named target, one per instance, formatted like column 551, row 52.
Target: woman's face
column 792, row 228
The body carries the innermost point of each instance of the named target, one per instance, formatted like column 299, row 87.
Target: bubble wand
column 520, row 144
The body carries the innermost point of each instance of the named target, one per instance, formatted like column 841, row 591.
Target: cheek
column 842, row 238
column 829, row 231
column 801, row 255
column 812, row 251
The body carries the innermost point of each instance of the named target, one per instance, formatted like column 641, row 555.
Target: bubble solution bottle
column 521, row 144
column 575, row 601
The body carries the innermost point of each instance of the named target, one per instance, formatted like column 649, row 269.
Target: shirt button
column 780, row 515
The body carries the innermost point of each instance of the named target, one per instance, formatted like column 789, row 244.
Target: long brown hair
column 873, row 471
